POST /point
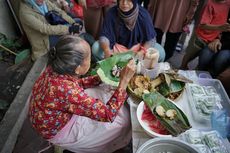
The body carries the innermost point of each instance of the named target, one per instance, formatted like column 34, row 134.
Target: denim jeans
column 215, row 62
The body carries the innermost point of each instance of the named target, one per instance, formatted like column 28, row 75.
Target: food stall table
column 139, row 136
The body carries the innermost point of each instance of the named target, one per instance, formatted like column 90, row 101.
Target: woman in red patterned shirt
column 64, row 114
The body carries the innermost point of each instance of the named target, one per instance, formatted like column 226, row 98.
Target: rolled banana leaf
column 175, row 126
column 105, row 67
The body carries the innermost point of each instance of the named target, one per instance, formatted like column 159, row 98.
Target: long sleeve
column 71, row 98
column 95, row 108
column 31, row 21
column 90, row 81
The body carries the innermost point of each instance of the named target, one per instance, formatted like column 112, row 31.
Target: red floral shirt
column 55, row 98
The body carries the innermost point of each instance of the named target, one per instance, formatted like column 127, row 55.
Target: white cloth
column 84, row 135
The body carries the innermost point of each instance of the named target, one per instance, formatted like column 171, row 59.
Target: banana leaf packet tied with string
column 174, row 120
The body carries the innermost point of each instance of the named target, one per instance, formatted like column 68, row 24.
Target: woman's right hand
column 126, row 74
column 215, row 45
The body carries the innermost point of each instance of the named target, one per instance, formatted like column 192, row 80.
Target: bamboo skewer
column 8, row 50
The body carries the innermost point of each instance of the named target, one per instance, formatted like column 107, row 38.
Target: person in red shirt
column 63, row 113
column 213, row 21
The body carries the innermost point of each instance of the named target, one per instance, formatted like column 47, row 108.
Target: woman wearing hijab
column 127, row 26
column 37, row 28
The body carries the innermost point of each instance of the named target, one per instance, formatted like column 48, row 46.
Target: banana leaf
column 172, row 75
column 175, row 86
column 105, row 67
column 175, row 126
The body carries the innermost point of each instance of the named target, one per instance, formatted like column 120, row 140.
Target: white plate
column 145, row 126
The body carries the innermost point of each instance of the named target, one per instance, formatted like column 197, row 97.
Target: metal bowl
column 166, row 145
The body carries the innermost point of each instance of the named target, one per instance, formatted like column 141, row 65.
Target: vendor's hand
column 215, row 45
column 224, row 27
column 140, row 55
column 107, row 54
column 126, row 74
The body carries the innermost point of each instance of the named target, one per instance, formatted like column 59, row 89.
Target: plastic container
column 193, row 136
column 210, row 88
column 151, row 58
column 204, row 76
column 202, row 148
column 206, row 142
column 224, row 99
column 151, row 73
column 214, row 141
column 200, row 112
column 166, row 145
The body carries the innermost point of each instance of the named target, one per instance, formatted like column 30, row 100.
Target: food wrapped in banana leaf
column 139, row 85
column 169, row 84
column 109, row 69
column 174, row 120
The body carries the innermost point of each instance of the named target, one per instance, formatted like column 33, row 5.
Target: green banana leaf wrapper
column 106, row 66
column 174, row 86
column 175, row 126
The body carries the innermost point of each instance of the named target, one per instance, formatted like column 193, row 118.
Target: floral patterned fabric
column 55, row 98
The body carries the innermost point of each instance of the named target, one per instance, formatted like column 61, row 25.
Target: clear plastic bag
column 220, row 122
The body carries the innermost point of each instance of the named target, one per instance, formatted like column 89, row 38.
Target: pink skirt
column 84, row 135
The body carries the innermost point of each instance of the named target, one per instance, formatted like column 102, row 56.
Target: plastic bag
column 220, row 122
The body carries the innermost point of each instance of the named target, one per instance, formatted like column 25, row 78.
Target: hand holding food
column 126, row 74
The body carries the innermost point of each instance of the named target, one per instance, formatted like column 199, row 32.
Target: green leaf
column 164, row 89
column 175, row 126
column 176, row 86
column 173, row 87
column 106, row 65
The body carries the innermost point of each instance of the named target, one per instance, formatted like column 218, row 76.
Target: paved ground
column 12, row 77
